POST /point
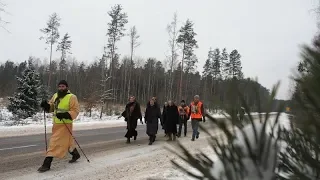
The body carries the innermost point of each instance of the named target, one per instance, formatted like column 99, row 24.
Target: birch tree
column 172, row 30
column 134, row 43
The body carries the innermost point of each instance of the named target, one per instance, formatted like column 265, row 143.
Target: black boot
column 170, row 137
column 154, row 138
column 75, row 156
column 174, row 137
column 135, row 138
column 128, row 140
column 46, row 164
column 150, row 140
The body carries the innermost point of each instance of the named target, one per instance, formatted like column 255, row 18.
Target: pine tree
column 116, row 29
column 24, row 102
column 51, row 36
column 188, row 43
column 64, row 47
column 235, row 69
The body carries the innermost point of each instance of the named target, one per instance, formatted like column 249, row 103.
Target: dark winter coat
column 164, row 116
column 131, row 114
column 152, row 116
column 172, row 119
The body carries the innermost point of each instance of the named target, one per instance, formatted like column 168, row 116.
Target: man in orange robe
column 65, row 108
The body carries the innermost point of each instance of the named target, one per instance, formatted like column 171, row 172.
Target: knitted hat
column 63, row 82
column 183, row 101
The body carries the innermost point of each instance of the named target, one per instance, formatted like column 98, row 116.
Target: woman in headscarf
column 171, row 121
column 164, row 116
column 152, row 116
column 131, row 114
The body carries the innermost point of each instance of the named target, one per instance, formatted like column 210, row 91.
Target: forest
column 113, row 77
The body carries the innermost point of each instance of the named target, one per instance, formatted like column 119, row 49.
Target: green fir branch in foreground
column 256, row 154
column 262, row 149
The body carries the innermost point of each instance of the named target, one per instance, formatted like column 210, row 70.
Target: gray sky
column 267, row 33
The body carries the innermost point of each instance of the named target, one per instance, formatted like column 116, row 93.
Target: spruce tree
column 207, row 68
column 216, row 64
column 235, row 69
column 225, row 64
column 24, row 103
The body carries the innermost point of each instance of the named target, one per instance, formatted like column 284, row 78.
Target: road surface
column 29, row 151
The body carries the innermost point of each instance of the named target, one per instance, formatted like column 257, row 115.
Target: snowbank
column 35, row 125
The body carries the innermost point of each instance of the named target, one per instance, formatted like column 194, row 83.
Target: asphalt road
column 25, row 152
column 28, row 151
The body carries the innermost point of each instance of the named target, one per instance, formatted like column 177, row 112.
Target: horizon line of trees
column 112, row 79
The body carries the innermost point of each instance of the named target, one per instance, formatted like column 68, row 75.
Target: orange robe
column 61, row 140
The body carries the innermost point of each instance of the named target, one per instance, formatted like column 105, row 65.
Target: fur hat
column 63, row 82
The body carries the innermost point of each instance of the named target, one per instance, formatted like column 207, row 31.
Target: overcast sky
column 267, row 33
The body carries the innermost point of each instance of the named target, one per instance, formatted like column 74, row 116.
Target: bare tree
column 51, row 36
column 134, row 43
column 172, row 30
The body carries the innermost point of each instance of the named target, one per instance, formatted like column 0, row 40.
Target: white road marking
column 19, row 147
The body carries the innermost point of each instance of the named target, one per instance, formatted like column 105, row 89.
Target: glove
column 45, row 105
column 203, row 119
column 64, row 115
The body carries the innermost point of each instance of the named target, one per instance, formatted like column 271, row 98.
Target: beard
column 62, row 93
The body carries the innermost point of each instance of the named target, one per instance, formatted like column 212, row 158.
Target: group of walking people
column 171, row 116
column 65, row 108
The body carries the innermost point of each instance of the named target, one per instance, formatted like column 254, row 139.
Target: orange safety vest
column 196, row 112
column 183, row 111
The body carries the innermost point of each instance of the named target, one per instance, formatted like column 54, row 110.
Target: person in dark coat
column 171, row 121
column 183, row 110
column 152, row 116
column 164, row 116
column 131, row 114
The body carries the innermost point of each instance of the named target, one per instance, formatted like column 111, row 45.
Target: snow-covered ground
column 135, row 162
column 35, row 125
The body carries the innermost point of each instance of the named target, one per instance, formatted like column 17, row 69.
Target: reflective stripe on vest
column 196, row 111
column 63, row 106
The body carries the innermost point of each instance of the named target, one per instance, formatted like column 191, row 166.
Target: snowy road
column 110, row 157
column 129, row 162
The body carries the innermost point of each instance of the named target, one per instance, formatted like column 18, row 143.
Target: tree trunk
column 50, row 63
column 181, row 75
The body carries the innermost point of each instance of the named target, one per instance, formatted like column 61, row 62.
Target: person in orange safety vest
column 196, row 114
